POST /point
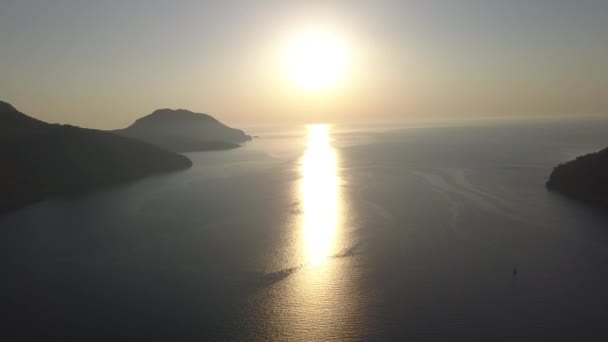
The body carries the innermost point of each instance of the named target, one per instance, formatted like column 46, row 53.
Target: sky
column 103, row 64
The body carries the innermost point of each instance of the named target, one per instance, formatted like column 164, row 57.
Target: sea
column 412, row 232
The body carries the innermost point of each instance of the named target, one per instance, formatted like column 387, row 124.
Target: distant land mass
column 585, row 178
column 184, row 131
column 41, row 159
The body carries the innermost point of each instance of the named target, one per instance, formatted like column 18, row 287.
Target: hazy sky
column 104, row 63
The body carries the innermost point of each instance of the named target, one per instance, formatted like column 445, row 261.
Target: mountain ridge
column 181, row 130
column 41, row 160
column 584, row 178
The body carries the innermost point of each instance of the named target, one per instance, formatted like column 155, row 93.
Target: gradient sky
column 102, row 64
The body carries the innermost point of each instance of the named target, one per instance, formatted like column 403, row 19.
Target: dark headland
column 40, row 159
column 585, row 178
column 184, row 131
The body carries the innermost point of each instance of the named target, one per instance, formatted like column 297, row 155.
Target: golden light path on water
column 319, row 195
column 313, row 301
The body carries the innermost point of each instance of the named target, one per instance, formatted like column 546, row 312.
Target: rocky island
column 585, row 178
column 184, row 131
column 41, row 159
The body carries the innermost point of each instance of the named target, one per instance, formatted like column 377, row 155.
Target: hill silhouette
column 584, row 178
column 41, row 159
column 15, row 124
column 184, row 131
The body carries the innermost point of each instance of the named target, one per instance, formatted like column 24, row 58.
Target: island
column 40, row 160
column 585, row 178
column 184, row 131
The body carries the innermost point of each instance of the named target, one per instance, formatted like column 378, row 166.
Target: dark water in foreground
column 411, row 234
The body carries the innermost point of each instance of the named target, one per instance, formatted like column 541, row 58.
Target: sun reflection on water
column 319, row 194
column 312, row 296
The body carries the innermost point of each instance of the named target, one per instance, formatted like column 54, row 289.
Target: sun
column 316, row 60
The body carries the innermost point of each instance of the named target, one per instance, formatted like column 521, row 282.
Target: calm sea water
column 326, row 234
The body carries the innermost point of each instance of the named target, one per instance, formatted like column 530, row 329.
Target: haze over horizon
column 105, row 64
column 391, row 170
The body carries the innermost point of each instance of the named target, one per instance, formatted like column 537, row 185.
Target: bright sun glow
column 316, row 61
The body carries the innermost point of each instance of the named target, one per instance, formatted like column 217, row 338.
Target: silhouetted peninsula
column 41, row 159
column 584, row 178
column 184, row 131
